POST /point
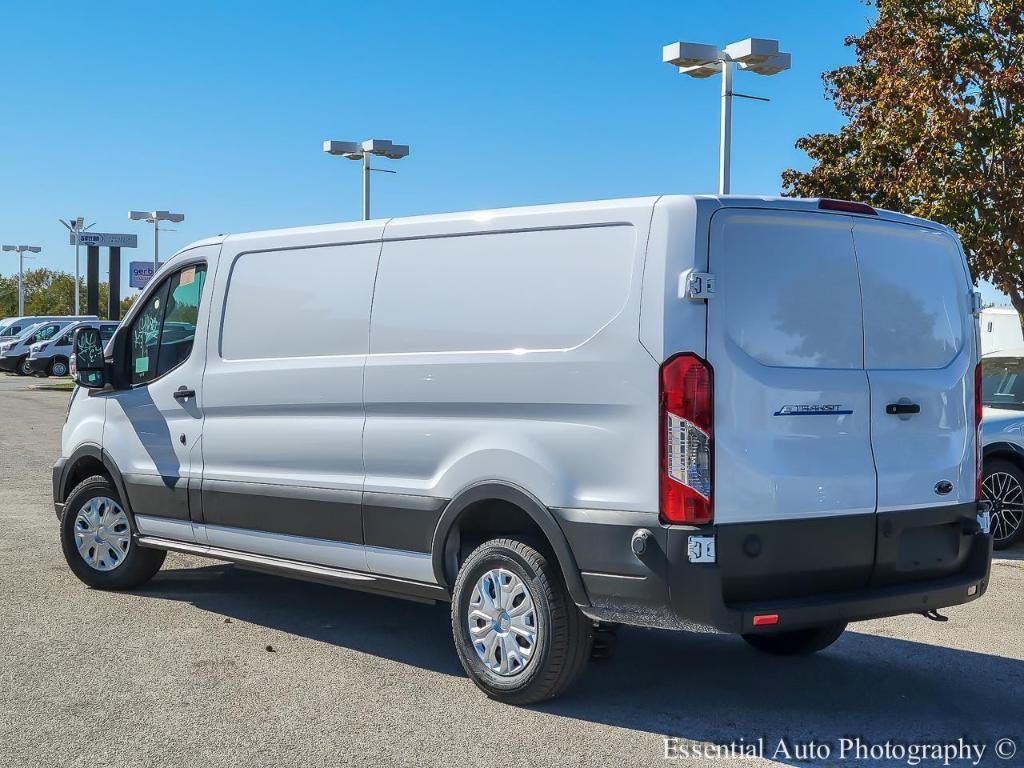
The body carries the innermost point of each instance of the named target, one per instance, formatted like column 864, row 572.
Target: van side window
column 179, row 328
column 45, row 333
column 162, row 335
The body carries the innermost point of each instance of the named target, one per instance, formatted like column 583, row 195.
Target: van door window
column 179, row 328
column 162, row 335
column 44, row 333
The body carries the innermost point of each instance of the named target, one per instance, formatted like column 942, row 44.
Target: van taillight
column 686, row 450
column 977, row 433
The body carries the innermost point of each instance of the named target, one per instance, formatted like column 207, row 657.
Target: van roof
column 723, row 201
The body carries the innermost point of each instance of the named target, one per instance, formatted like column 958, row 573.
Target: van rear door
column 794, row 481
column 919, row 354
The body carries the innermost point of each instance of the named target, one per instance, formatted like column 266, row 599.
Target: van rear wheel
column 797, row 642
column 518, row 633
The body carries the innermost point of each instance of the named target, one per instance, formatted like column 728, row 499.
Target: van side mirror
column 88, row 367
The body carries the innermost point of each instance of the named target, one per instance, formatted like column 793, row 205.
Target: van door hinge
column 976, row 303
column 696, row 285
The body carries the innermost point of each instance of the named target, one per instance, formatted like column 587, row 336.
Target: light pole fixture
column 154, row 218
column 355, row 150
column 76, row 227
column 757, row 55
column 21, row 249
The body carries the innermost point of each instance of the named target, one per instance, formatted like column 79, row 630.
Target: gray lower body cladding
column 809, row 572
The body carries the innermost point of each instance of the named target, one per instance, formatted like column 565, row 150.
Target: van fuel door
column 696, row 285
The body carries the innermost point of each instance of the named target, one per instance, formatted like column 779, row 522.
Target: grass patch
column 57, row 386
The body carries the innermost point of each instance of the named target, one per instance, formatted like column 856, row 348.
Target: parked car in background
column 10, row 327
column 51, row 358
column 14, row 353
column 1002, row 431
column 1000, row 329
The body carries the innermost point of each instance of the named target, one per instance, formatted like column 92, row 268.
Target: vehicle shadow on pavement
column 700, row 687
column 361, row 621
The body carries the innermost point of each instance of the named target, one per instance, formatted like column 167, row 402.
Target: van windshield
column 1002, row 382
column 28, row 332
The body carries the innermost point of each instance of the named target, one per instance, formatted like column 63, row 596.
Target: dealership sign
column 105, row 240
column 141, row 272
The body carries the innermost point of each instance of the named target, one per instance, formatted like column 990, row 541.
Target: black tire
column 797, row 642
column 58, row 367
column 1007, row 524
column 563, row 637
column 22, row 367
column 138, row 565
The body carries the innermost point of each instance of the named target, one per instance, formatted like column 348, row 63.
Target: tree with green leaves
column 935, row 111
column 50, row 292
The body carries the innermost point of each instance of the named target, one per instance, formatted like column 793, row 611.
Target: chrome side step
column 309, row 571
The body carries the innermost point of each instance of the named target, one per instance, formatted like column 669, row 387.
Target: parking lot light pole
column 21, row 249
column 758, row 55
column 154, row 218
column 354, row 150
column 76, row 227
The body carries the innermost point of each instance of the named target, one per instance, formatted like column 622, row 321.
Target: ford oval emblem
column 943, row 487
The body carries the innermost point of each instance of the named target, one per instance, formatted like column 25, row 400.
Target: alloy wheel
column 1006, row 496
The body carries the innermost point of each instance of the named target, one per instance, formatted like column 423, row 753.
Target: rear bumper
column 820, row 577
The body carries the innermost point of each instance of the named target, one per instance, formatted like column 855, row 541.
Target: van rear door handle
column 184, row 393
column 899, row 409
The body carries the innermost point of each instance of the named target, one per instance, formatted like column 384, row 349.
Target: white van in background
column 14, row 326
column 755, row 415
column 1000, row 329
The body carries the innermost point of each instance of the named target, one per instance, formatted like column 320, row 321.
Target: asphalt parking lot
column 181, row 671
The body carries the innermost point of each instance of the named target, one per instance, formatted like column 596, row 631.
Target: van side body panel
column 282, row 460
column 562, row 403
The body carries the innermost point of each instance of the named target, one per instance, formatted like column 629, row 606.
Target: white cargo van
column 756, row 415
column 1000, row 329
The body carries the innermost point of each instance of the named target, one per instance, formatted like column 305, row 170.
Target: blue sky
column 218, row 110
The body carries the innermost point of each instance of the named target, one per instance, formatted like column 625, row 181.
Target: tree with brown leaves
column 935, row 105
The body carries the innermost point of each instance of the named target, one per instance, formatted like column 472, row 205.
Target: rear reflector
column 846, row 206
column 766, row 620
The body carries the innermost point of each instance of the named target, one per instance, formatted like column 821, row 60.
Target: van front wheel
column 97, row 536
column 797, row 642
column 518, row 633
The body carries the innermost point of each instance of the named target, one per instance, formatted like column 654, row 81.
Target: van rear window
column 790, row 289
column 915, row 296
